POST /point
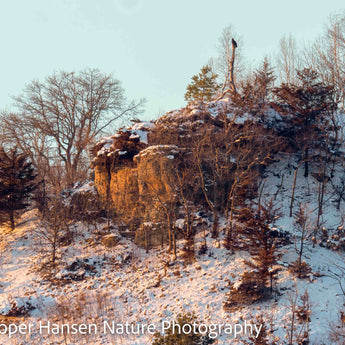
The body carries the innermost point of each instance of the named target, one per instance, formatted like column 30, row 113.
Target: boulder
column 110, row 240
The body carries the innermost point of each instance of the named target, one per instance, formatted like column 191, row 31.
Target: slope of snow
column 125, row 284
column 129, row 285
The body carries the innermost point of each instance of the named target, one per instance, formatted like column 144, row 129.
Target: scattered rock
column 110, row 240
column 17, row 306
column 77, row 270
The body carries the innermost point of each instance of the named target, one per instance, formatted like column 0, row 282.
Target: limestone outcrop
column 155, row 167
column 131, row 176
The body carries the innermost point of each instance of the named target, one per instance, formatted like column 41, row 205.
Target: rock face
column 124, row 191
column 101, row 181
column 135, row 170
column 115, row 173
column 137, row 182
column 155, row 171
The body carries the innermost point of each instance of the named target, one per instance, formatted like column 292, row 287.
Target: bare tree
column 250, row 150
column 53, row 225
column 181, row 201
column 304, row 229
column 327, row 55
column 288, row 59
column 167, row 212
column 185, row 193
column 292, row 199
column 213, row 166
column 57, row 119
column 297, row 328
column 339, row 189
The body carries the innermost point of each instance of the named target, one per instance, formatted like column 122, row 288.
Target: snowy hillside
column 95, row 283
column 105, row 289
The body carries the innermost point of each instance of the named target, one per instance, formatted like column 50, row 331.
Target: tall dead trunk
column 229, row 83
column 146, row 239
column 54, row 245
column 232, row 63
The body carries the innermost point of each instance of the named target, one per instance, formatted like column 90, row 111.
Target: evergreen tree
column 17, row 182
column 264, row 79
column 203, row 86
column 306, row 108
column 304, row 230
column 261, row 244
column 255, row 94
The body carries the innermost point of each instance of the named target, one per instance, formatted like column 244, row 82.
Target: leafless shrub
column 53, row 226
column 297, row 327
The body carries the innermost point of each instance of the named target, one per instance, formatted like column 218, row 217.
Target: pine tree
column 258, row 238
column 17, row 182
column 304, row 230
column 203, row 86
column 263, row 78
column 255, row 94
column 261, row 244
column 306, row 108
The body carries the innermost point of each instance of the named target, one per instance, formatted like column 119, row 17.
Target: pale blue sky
column 153, row 46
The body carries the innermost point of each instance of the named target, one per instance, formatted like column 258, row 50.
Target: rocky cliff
column 131, row 176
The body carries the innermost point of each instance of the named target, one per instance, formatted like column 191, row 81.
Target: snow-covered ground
column 95, row 283
column 125, row 284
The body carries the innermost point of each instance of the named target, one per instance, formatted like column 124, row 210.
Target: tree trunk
column 189, row 253
column 215, row 223
column 232, row 63
column 169, row 240
column 279, row 188
column 293, row 191
column 12, row 222
column 319, row 209
column 53, row 253
column 146, row 239
column 108, row 195
column 321, row 195
column 299, row 264
column 306, row 162
column 338, row 203
column 174, row 247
